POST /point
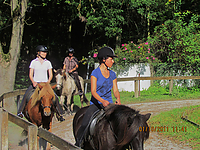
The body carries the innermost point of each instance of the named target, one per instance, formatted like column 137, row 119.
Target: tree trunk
column 8, row 62
column 118, row 41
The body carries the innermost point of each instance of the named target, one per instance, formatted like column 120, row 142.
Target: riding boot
column 24, row 101
column 78, row 84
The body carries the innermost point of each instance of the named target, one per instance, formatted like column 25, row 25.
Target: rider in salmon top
column 38, row 73
column 102, row 81
column 70, row 65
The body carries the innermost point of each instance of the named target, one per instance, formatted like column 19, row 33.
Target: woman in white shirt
column 38, row 73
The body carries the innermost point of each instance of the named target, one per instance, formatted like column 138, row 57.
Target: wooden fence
column 33, row 131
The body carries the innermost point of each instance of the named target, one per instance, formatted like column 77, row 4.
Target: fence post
column 32, row 137
column 4, row 130
column 170, row 86
column 136, row 88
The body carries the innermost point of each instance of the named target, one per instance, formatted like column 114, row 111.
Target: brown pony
column 40, row 109
column 120, row 128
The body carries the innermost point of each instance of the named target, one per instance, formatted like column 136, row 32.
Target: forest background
column 163, row 33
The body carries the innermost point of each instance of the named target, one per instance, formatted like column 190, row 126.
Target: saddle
column 96, row 117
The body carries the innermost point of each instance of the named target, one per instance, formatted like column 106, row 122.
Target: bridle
column 60, row 84
column 45, row 106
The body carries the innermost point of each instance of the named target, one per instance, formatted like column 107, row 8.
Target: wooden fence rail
column 33, row 132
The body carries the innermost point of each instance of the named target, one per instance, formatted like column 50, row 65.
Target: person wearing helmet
column 38, row 73
column 70, row 65
column 102, row 81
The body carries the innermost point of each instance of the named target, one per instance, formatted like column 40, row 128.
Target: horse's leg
column 69, row 102
column 72, row 103
column 81, row 99
column 62, row 99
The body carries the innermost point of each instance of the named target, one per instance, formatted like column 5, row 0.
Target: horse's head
column 129, row 126
column 46, row 96
column 60, row 76
column 142, row 133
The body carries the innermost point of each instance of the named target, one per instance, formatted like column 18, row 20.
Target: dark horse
column 120, row 128
column 40, row 108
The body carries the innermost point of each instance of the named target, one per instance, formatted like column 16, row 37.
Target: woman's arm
column 76, row 67
column 64, row 67
column 31, row 71
column 94, row 93
column 116, row 92
column 50, row 75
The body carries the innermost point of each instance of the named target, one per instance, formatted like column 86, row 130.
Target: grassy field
column 172, row 124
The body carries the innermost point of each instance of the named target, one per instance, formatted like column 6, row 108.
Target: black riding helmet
column 71, row 50
column 105, row 52
column 41, row 48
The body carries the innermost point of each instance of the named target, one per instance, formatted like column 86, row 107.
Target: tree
column 10, row 49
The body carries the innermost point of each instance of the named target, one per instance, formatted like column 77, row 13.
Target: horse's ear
column 54, row 86
column 147, row 116
column 55, row 70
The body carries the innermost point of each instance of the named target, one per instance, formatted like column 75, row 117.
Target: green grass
column 178, row 128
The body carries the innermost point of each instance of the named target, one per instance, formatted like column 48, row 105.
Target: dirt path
column 155, row 142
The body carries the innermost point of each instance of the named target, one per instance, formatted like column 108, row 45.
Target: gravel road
column 155, row 142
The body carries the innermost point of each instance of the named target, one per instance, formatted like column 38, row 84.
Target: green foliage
column 177, row 128
column 129, row 54
column 22, row 80
column 104, row 16
column 176, row 44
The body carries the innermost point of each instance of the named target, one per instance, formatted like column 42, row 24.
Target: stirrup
column 20, row 114
column 80, row 92
column 61, row 119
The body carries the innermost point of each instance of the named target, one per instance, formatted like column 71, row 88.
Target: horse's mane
column 124, row 119
column 46, row 88
column 59, row 71
column 64, row 74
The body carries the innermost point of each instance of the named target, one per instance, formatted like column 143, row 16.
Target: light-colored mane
column 46, row 88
